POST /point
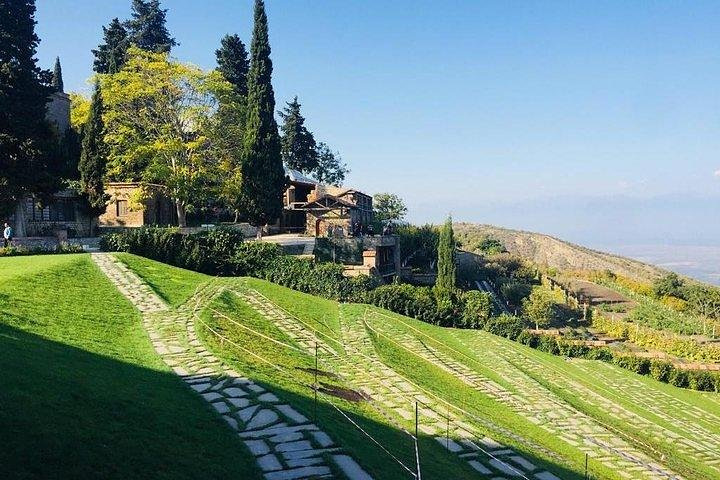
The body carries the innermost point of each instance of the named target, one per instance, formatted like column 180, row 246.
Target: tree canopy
column 389, row 207
column 233, row 63
column 263, row 176
column 298, row 143
column 157, row 121
column 110, row 55
column 27, row 165
column 147, row 29
column 57, row 79
column 92, row 156
column 446, row 276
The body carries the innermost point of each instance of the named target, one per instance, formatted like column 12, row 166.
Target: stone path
column 539, row 405
column 394, row 396
column 285, row 443
column 688, row 429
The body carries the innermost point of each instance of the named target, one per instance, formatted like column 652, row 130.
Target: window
column 122, row 208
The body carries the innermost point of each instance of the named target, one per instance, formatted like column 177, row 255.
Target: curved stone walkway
column 287, row 446
column 394, row 396
column 687, row 428
column 542, row 407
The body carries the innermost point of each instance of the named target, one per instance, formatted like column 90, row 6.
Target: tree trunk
column 182, row 221
column 237, row 215
column 259, row 233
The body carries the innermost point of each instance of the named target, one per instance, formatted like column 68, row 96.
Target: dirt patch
column 344, row 393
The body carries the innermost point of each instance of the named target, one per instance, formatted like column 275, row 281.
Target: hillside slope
column 553, row 252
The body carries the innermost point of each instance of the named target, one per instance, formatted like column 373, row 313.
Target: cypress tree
column 92, row 156
column 232, row 60
column 110, row 56
column 26, row 139
column 147, row 28
column 57, row 80
column 446, row 258
column 297, row 143
column 263, row 176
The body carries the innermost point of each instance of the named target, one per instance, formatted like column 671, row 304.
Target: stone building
column 135, row 205
column 320, row 210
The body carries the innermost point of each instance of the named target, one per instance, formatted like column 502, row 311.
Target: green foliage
column 515, row 292
column 446, row 279
column 665, row 341
column 168, row 143
column 57, row 79
column 111, row 55
column 233, row 64
column 223, row 252
column 388, row 207
column 478, row 309
column 146, row 27
column 92, row 156
column 330, row 167
column 668, row 286
column 263, row 175
column 297, row 142
column 418, row 246
column 27, row 144
column 703, row 300
column 539, row 308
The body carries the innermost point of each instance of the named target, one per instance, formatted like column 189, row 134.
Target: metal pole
column 316, row 380
column 417, row 451
column 586, row 466
column 447, row 432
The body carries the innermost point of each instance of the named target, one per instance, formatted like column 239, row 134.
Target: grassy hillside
column 374, row 365
column 552, row 252
column 84, row 395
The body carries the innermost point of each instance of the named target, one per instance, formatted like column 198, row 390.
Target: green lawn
column 649, row 415
column 84, row 395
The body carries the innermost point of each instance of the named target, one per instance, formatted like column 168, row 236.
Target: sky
column 598, row 122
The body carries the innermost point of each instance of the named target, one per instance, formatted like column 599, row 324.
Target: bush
column 477, row 310
column 661, row 370
column 634, row 364
column 508, row 326
column 701, row 380
column 679, row 378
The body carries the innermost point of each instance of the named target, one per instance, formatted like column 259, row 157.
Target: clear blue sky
column 597, row 121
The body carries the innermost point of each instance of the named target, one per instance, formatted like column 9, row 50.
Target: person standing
column 8, row 235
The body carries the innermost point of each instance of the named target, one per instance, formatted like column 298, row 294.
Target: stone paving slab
column 282, row 451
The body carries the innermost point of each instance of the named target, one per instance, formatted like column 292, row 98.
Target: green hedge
column 223, row 252
column 658, row 369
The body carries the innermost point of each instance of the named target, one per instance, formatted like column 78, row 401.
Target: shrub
column 549, row 344
column 477, row 310
column 515, row 292
column 679, row 378
column 661, row 370
column 701, row 380
column 527, row 338
column 508, row 326
column 634, row 364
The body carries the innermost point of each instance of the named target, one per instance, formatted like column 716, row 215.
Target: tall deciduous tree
column 263, row 176
column 92, row 156
column 233, row 63
column 297, row 143
column 388, row 207
column 57, row 79
column 330, row 167
column 156, row 121
column 147, row 29
column 111, row 54
column 446, row 278
column 26, row 138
